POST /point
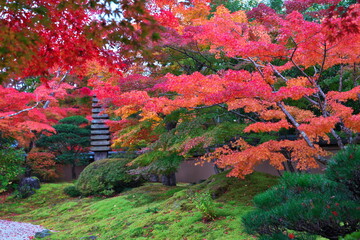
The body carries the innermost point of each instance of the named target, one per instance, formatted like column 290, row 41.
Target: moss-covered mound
column 107, row 177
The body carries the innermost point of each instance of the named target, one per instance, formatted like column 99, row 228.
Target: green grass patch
column 152, row 211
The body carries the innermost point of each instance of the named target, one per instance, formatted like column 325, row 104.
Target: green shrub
column 72, row 191
column 353, row 236
column 323, row 204
column 288, row 236
column 106, row 177
column 159, row 162
column 11, row 161
column 205, row 204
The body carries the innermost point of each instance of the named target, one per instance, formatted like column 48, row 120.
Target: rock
column 27, row 186
column 33, row 182
column 154, row 178
column 89, row 238
column 43, row 233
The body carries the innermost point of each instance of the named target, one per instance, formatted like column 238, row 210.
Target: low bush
column 205, row 204
column 107, row 177
column 24, row 192
column 72, row 191
column 352, row 236
column 43, row 165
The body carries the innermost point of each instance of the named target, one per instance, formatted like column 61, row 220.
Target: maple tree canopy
column 279, row 80
column 293, row 68
column 45, row 47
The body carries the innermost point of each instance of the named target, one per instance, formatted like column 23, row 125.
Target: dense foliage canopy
column 256, row 72
column 291, row 72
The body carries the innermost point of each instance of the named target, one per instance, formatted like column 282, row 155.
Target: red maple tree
column 272, row 46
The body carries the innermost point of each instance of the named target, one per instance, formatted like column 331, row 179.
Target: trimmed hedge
column 107, row 177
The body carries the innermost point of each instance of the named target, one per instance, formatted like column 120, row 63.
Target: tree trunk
column 290, row 166
column 168, row 179
column 28, row 171
column 73, row 171
column 217, row 170
column 170, row 125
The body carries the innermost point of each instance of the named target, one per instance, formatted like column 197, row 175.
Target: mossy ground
column 151, row 211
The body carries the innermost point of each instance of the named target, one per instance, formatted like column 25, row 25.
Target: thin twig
column 239, row 114
column 192, row 57
column 257, row 67
column 47, row 103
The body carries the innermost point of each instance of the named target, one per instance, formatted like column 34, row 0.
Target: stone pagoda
column 100, row 134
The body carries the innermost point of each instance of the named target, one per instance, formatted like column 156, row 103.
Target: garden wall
column 189, row 172
column 65, row 172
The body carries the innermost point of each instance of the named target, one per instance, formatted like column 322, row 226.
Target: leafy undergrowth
column 151, row 211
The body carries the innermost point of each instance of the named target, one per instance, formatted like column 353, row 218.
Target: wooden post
column 100, row 135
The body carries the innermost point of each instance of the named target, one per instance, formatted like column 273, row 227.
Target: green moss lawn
column 151, row 211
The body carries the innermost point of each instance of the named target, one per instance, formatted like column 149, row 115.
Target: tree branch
column 323, row 61
column 47, row 103
column 257, row 67
column 192, row 57
column 17, row 113
column 285, row 79
column 239, row 114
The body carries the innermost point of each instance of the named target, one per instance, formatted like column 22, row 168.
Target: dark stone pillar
column 168, row 179
column 100, row 135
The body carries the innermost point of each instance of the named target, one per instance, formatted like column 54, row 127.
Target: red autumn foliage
column 43, row 165
column 299, row 43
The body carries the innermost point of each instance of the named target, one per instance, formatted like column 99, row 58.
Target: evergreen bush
column 315, row 204
column 107, row 177
column 344, row 168
column 70, row 143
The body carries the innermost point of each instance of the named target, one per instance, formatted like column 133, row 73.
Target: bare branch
column 285, row 79
column 294, row 123
column 341, row 78
column 203, row 107
column 257, row 67
column 21, row 111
